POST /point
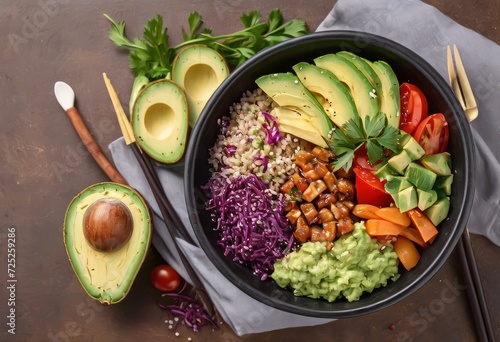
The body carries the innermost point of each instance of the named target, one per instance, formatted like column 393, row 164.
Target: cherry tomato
column 370, row 190
column 433, row 134
column 165, row 278
column 413, row 107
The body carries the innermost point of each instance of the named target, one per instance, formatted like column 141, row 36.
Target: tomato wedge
column 370, row 189
column 414, row 107
column 433, row 134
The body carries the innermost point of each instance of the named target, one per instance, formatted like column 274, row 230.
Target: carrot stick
column 393, row 215
column 376, row 227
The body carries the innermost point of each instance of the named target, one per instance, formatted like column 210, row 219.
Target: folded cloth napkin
column 419, row 27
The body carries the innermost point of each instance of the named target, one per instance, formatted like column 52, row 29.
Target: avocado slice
column 107, row 276
column 333, row 94
column 389, row 96
column 199, row 70
column 364, row 67
column 362, row 91
column 302, row 107
column 160, row 121
column 290, row 121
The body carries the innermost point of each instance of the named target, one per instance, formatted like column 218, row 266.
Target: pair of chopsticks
column 172, row 221
column 463, row 91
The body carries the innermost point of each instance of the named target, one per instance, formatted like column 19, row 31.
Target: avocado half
column 199, row 70
column 107, row 276
column 160, row 121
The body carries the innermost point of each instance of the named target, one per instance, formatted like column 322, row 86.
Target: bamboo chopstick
column 475, row 292
column 172, row 221
column 463, row 91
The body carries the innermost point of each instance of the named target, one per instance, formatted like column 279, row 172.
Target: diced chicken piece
column 309, row 211
column 293, row 215
column 302, row 232
column 330, row 181
column 325, row 215
column 313, row 190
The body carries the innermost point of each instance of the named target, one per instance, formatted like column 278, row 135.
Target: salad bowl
column 408, row 67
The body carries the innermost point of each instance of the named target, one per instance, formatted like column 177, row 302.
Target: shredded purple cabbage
column 230, row 150
column 192, row 312
column 251, row 223
column 265, row 161
column 273, row 134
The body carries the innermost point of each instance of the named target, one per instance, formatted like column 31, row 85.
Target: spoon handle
column 94, row 150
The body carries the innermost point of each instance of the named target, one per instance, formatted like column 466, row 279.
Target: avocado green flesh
column 292, row 122
column 360, row 87
column 199, row 70
column 107, row 276
column 438, row 211
column 389, row 96
column 364, row 67
column 160, row 121
column 334, row 95
column 288, row 92
column 439, row 163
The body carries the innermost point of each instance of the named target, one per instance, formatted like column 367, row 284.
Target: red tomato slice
column 433, row 134
column 369, row 189
column 361, row 159
column 413, row 107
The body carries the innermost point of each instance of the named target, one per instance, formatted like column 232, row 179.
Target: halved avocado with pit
column 107, row 274
column 199, row 70
column 160, row 121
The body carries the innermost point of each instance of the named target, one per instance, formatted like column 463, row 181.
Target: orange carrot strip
column 424, row 225
column 365, row 211
column 393, row 215
column 376, row 227
column 407, row 252
column 414, row 235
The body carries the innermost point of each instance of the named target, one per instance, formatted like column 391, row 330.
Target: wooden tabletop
column 43, row 165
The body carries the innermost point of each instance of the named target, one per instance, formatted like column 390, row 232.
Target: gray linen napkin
column 427, row 32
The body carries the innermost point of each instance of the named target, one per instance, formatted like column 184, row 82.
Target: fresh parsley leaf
column 251, row 19
column 375, row 133
column 354, row 130
column 195, row 23
column 152, row 56
column 374, row 124
column 341, row 143
column 344, row 161
column 389, row 138
column 375, row 151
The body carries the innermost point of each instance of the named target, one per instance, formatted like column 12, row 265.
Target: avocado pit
column 107, row 225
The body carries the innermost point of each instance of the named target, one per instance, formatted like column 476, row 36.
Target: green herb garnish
column 375, row 133
column 153, row 57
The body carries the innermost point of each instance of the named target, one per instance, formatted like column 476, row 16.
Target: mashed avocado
column 354, row 265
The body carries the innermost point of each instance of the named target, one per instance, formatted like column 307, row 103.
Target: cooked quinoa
column 240, row 148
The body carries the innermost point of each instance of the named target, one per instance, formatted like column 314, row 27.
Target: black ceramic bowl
column 280, row 58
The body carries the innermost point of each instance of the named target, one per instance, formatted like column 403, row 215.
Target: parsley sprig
column 375, row 133
column 152, row 56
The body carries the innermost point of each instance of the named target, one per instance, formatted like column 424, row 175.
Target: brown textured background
column 43, row 165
